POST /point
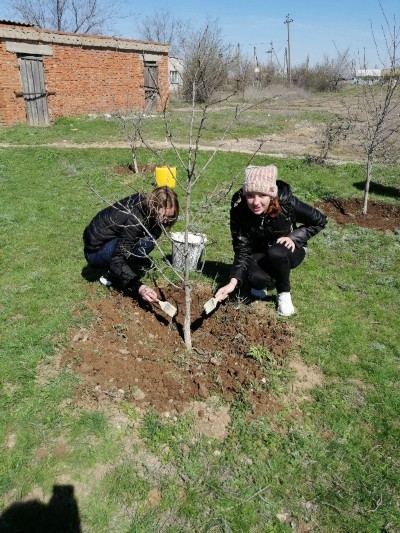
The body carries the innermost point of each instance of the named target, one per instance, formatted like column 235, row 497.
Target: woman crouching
column 120, row 237
column 267, row 241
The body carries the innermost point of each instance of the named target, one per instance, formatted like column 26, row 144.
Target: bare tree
column 335, row 129
column 207, row 61
column 192, row 169
column 131, row 124
column 241, row 70
column 163, row 27
column 377, row 112
column 76, row 16
column 325, row 76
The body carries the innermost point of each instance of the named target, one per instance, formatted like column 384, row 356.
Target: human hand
column 287, row 242
column 223, row 292
column 147, row 294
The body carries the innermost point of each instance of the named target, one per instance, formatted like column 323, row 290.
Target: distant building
column 175, row 67
column 368, row 75
column 46, row 74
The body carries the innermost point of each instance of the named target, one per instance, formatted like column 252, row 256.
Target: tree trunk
column 187, row 335
column 367, row 183
column 134, row 160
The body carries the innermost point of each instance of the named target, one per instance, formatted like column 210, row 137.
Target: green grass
column 80, row 129
column 334, row 468
column 253, row 123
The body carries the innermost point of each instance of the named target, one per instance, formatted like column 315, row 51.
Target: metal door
column 34, row 89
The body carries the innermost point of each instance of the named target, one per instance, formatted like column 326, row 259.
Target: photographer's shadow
column 59, row 515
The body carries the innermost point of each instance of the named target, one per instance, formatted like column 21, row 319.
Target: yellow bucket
column 165, row 176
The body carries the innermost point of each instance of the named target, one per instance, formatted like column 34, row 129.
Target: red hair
column 274, row 208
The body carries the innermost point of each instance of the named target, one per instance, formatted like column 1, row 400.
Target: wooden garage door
column 34, row 89
column 150, row 85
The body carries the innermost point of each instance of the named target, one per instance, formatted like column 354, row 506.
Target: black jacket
column 253, row 233
column 127, row 220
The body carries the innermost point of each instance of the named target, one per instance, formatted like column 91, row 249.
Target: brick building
column 47, row 74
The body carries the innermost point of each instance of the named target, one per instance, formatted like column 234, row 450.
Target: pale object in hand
column 168, row 308
column 210, row 305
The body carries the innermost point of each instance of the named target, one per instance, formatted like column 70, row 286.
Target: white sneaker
column 259, row 294
column 104, row 281
column 285, row 306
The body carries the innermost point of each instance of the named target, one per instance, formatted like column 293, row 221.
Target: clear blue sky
column 318, row 25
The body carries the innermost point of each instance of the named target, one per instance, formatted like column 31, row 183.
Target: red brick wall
column 93, row 81
column 12, row 108
column 83, row 80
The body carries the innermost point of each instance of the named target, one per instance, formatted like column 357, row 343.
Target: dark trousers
column 102, row 257
column 274, row 266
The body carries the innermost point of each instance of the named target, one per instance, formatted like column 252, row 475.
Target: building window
column 174, row 76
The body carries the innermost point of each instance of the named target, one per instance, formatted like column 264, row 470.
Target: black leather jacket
column 253, row 233
column 126, row 220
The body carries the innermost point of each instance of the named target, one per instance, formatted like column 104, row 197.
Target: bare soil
column 381, row 216
column 133, row 351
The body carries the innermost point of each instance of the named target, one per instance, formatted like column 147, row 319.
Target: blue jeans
column 102, row 258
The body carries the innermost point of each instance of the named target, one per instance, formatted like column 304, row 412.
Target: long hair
column 274, row 208
column 163, row 198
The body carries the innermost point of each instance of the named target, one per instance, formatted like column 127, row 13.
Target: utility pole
column 270, row 51
column 239, row 67
column 256, row 69
column 288, row 20
column 255, row 57
column 284, row 62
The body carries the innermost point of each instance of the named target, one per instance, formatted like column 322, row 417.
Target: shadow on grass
column 217, row 271
column 211, row 269
column 92, row 274
column 60, row 514
column 377, row 188
column 214, row 270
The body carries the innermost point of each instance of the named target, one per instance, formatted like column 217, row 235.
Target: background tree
column 377, row 112
column 325, row 76
column 207, row 61
column 76, row 16
column 334, row 130
column 241, row 71
column 162, row 27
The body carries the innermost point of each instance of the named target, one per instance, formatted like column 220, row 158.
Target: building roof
column 17, row 23
column 24, row 32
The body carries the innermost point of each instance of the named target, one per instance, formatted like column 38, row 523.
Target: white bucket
column 196, row 242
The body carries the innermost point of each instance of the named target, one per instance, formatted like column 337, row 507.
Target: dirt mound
column 133, row 351
column 381, row 216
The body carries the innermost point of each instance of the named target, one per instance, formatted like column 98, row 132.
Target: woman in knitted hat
column 270, row 228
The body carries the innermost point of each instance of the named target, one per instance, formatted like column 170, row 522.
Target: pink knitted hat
column 261, row 179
